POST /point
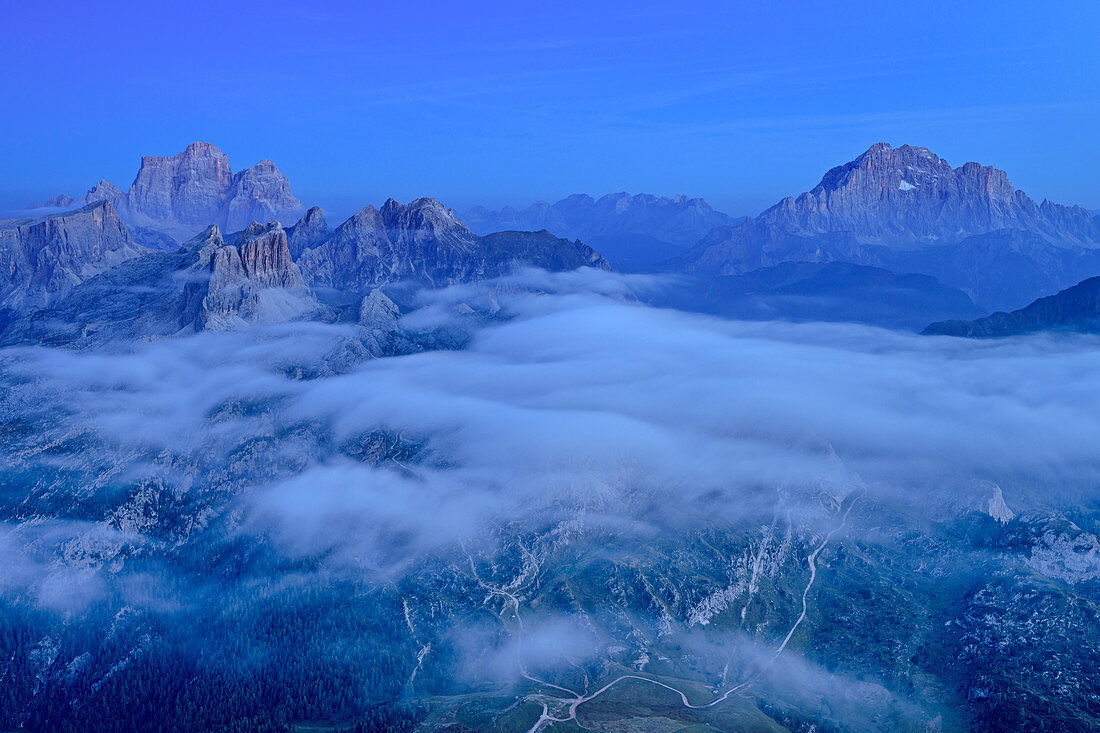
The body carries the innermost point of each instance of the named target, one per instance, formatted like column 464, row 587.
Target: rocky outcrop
column 541, row 249
column 105, row 190
column 420, row 241
column 61, row 201
column 259, row 193
column 207, row 284
column 253, row 280
column 377, row 312
column 42, row 259
column 424, row 242
column 311, row 230
column 378, row 316
column 1075, row 309
column 908, row 197
column 891, row 207
column 183, row 193
column 188, row 189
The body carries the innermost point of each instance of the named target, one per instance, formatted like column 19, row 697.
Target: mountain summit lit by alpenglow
column 547, row 368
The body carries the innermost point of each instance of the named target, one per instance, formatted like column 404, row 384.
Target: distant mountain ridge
column 901, row 210
column 635, row 231
column 1075, row 309
column 183, row 193
column 422, row 241
column 895, row 207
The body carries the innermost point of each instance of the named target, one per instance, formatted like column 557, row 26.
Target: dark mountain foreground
column 1073, row 310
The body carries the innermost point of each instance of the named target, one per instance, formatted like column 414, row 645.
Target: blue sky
column 495, row 103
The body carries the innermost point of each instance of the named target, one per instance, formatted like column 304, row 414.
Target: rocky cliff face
column 252, row 280
column 259, row 193
column 105, row 190
column 909, row 197
column 187, row 189
column 182, row 193
column 206, row 285
column 311, row 230
column 905, row 196
column 422, row 241
column 42, row 259
column 887, row 205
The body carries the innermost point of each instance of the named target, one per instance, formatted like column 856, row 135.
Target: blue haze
column 511, row 102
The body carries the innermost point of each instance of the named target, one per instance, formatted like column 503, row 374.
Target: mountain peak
column 891, row 205
column 256, row 229
column 199, row 147
column 312, row 221
column 211, row 238
column 177, row 194
column 424, row 214
column 253, row 279
column 310, row 230
column 904, row 197
column 366, row 215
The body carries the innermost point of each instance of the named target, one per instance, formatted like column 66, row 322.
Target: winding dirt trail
column 547, row 720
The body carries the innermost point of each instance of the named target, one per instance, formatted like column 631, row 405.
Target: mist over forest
column 589, row 487
column 549, row 367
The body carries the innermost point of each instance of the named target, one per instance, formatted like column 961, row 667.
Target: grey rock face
column 187, row 189
column 207, row 284
column 182, row 193
column 909, row 197
column 424, row 242
column 378, row 316
column 1075, row 309
column 259, row 193
column 377, row 311
column 42, row 259
column 902, row 196
column 251, row 280
column 105, row 190
column 311, row 230
column 420, row 241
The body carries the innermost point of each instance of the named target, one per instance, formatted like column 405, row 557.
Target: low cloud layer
column 572, row 407
column 579, row 400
